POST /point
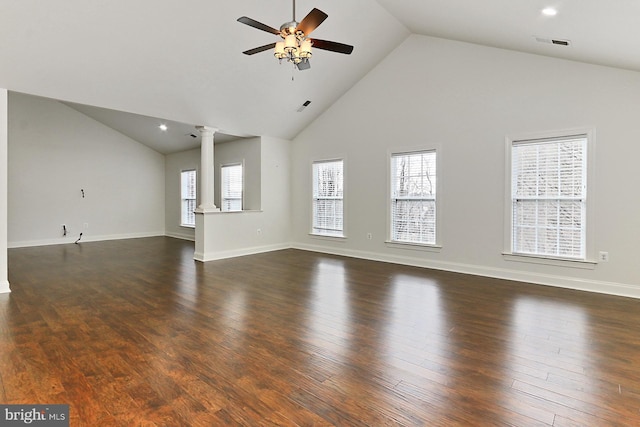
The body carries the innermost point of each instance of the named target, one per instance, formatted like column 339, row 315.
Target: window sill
column 187, row 226
column 328, row 236
column 413, row 246
column 543, row 260
column 241, row 211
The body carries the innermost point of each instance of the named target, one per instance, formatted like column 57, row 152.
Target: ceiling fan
column 295, row 46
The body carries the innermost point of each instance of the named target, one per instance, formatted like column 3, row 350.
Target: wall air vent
column 559, row 42
column 303, row 106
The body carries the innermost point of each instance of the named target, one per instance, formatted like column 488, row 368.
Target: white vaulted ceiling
column 600, row 32
column 182, row 60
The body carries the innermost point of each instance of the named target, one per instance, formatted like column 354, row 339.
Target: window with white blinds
column 328, row 202
column 232, row 187
column 188, row 198
column 549, row 197
column 413, row 197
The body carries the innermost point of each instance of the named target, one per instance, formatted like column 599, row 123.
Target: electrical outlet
column 259, row 231
column 369, row 236
column 603, row 257
column 85, row 225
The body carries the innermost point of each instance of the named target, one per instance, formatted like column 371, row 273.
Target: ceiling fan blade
column 259, row 49
column 332, row 46
column 259, row 25
column 311, row 21
column 304, row 65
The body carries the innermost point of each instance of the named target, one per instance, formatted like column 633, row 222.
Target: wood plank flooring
column 136, row 333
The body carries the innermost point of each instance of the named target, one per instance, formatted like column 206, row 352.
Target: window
column 549, row 197
column 232, row 185
column 188, row 198
column 328, row 200
column 413, row 197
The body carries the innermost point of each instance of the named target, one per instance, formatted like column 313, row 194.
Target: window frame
column 314, row 232
column 589, row 260
column 182, row 199
column 222, row 182
column 429, row 247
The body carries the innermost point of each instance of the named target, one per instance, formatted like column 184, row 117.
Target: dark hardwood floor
column 135, row 332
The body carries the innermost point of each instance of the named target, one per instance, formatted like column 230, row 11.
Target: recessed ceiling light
column 163, row 127
column 549, row 11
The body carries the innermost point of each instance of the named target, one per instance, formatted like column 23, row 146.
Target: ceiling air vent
column 303, row 106
column 559, row 42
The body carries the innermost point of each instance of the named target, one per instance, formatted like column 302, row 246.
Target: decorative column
column 206, row 211
column 207, row 172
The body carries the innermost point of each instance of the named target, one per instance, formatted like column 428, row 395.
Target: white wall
column 4, row 282
column 232, row 234
column 54, row 153
column 247, row 152
column 466, row 98
column 276, row 193
column 174, row 164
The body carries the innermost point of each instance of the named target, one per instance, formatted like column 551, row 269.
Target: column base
column 206, row 209
column 204, row 226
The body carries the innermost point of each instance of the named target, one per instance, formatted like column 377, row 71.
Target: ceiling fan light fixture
column 290, row 43
column 279, row 51
column 305, row 49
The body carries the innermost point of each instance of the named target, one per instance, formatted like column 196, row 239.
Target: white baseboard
column 4, row 287
column 85, row 238
column 610, row 288
column 181, row 236
column 212, row 256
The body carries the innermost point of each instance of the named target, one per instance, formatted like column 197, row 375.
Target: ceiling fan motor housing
column 289, row 28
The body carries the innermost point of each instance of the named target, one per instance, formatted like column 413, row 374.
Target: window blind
column 188, row 197
column 413, row 197
column 549, row 189
column 232, row 187
column 328, row 203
